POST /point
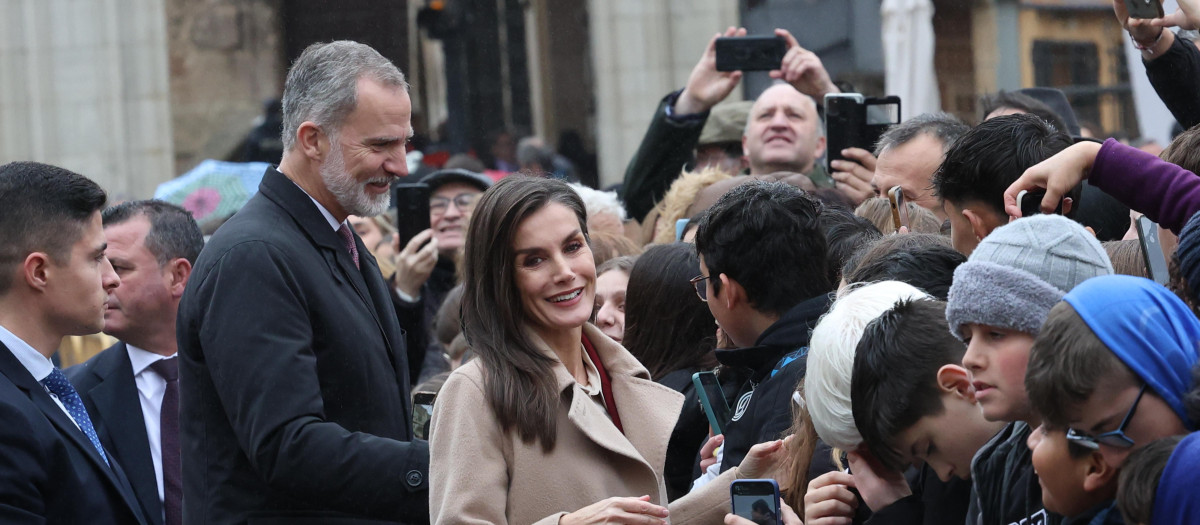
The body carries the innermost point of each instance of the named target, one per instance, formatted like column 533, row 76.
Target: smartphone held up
column 855, row 121
column 750, row 53
column 412, row 210
column 1144, row 8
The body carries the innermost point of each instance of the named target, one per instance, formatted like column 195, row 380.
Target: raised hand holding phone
column 706, row 86
column 415, row 262
column 1056, row 175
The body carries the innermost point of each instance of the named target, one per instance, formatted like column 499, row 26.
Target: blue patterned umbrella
column 213, row 190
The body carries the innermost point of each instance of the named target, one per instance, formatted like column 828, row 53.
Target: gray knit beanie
column 1020, row 271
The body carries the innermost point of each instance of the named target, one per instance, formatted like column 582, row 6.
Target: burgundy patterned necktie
column 169, row 432
column 348, row 239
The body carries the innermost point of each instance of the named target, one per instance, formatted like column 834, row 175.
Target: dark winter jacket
column 774, row 366
column 1006, row 487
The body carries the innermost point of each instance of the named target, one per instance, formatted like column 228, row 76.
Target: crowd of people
column 971, row 363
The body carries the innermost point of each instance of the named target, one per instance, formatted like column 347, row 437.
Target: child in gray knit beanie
column 997, row 303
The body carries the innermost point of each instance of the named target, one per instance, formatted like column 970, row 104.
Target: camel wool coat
column 481, row 474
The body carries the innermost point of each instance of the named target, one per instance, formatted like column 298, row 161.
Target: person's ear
column 819, row 151
column 176, row 276
column 309, row 139
column 979, row 225
column 732, row 292
column 955, row 380
column 36, row 270
column 1098, row 474
column 745, row 152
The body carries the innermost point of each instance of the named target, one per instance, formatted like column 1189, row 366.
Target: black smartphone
column 412, row 210
column 1152, row 254
column 1030, row 203
column 855, row 121
column 422, row 413
column 750, row 53
column 756, row 500
column 1144, row 8
column 899, row 211
column 712, row 398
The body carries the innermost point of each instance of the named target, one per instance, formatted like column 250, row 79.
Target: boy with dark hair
column 1113, row 366
column 912, row 402
column 765, row 277
column 997, row 304
column 981, row 164
column 923, row 260
column 846, row 234
column 1076, row 481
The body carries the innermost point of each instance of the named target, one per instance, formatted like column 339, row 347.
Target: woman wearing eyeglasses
column 553, row 422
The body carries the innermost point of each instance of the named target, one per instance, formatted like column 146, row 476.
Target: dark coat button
column 414, row 478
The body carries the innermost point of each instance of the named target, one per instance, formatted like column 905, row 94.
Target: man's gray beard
column 350, row 194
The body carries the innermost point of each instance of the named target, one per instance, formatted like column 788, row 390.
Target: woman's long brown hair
column 793, row 480
column 519, row 380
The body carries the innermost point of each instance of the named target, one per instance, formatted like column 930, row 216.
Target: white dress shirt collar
column 333, row 222
column 38, row 365
column 142, row 359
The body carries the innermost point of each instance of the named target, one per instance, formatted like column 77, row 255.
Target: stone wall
column 226, row 60
column 83, row 85
column 642, row 50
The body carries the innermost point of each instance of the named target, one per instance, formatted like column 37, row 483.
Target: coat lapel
column 293, row 201
column 118, row 417
column 648, row 410
column 20, row 377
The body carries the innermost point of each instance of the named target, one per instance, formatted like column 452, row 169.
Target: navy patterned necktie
column 57, row 384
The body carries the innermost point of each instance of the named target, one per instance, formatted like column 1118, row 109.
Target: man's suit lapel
column 277, row 187
column 385, row 314
column 118, row 417
column 16, row 372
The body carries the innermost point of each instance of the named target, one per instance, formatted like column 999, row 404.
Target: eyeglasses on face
column 699, row 282
column 464, row 201
column 1115, row 438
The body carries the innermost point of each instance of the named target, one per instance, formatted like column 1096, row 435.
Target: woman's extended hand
column 630, row 511
column 763, row 459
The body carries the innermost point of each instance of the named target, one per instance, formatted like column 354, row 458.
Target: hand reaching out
column 629, row 511
column 763, row 460
column 706, row 86
column 1057, row 174
column 803, row 70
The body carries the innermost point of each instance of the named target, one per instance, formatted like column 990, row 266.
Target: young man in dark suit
column 132, row 389
column 295, row 401
column 54, row 281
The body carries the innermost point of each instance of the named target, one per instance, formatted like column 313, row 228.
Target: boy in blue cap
column 1111, row 367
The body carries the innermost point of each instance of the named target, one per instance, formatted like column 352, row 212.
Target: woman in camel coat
column 553, row 422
